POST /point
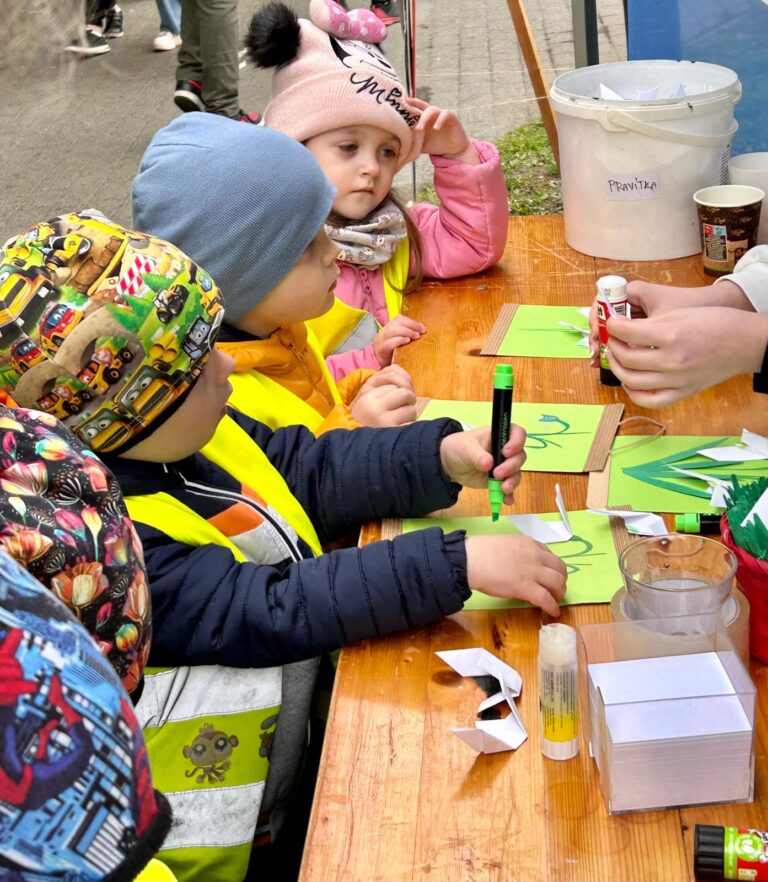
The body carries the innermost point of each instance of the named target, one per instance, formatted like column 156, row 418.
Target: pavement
column 75, row 139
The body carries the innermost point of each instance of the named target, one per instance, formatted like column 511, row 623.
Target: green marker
column 501, row 425
column 697, row 523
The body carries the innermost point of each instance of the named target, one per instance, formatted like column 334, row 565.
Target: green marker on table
column 501, row 425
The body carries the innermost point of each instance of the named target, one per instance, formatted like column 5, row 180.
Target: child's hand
column 440, row 133
column 466, row 459
column 392, row 375
column 384, row 405
column 398, row 331
column 516, row 566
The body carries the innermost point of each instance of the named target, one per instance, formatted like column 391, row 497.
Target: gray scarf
column 373, row 240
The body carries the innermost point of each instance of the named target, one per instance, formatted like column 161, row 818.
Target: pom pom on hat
column 273, row 36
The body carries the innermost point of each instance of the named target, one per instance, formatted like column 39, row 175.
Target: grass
column 532, row 178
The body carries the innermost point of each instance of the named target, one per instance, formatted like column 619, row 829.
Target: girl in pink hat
column 334, row 90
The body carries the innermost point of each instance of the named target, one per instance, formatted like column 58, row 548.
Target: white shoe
column 165, row 41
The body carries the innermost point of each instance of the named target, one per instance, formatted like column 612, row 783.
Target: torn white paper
column 641, row 523
column 489, row 736
column 754, row 447
column 547, row 532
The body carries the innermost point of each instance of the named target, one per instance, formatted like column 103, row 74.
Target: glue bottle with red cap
column 611, row 300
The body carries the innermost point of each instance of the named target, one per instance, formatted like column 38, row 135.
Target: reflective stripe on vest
column 263, row 398
column 344, row 328
column 233, row 450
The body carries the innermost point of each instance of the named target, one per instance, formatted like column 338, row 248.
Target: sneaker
column 254, row 118
column 165, row 41
column 188, row 96
column 387, row 11
column 89, row 43
column 113, row 23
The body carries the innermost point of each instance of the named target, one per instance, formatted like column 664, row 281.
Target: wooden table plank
column 398, row 796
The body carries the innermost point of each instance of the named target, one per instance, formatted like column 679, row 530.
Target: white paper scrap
column 493, row 736
column 641, row 523
column 754, row 447
column 478, row 662
column 547, row 532
column 758, row 510
column 489, row 736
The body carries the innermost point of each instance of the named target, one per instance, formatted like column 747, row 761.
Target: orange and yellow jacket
column 283, row 380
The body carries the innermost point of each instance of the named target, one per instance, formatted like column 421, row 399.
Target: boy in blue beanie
column 201, row 175
column 232, row 518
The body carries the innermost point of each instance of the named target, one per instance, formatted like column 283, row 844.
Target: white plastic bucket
column 629, row 168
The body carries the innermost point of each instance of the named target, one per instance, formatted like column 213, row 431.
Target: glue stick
column 730, row 853
column 558, row 692
column 611, row 300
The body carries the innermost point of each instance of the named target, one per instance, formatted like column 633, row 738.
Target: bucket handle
column 623, row 120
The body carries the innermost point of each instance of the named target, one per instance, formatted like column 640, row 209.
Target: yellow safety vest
column 345, row 327
column 173, row 705
column 264, row 399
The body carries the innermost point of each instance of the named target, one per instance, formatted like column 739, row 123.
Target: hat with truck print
column 102, row 327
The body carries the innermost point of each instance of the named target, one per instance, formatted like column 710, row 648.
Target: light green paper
column 559, row 435
column 638, row 489
column 591, row 558
column 534, row 332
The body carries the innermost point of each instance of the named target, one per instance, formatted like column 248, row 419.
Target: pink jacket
column 465, row 234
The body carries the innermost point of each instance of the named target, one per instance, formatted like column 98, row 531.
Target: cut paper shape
column 537, row 332
column 489, row 736
column 561, row 437
column 640, row 523
column 546, row 531
column 654, row 475
column 590, row 556
column 752, row 447
column 493, row 736
column 758, row 510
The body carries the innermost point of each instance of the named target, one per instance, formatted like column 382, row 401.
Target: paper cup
column 752, row 169
column 729, row 216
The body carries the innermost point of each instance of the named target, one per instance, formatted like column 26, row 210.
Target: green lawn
column 532, row 178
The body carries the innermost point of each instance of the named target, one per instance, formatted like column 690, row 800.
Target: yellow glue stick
column 558, row 691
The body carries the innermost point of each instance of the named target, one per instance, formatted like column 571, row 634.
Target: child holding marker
column 232, row 517
column 276, row 268
column 680, row 341
column 334, row 91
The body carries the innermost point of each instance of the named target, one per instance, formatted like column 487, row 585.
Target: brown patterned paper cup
column 729, row 216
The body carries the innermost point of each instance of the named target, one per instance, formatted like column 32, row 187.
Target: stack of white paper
column 674, row 732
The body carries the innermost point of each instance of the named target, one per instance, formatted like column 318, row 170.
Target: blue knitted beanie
column 242, row 201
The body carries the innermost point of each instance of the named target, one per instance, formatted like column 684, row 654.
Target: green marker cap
column 496, row 497
column 687, row 523
column 503, row 377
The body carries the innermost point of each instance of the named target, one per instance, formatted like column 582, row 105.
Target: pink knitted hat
column 329, row 73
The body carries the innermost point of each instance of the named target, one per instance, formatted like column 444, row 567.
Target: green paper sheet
column 642, row 479
column 591, row 558
column 559, row 435
column 534, row 331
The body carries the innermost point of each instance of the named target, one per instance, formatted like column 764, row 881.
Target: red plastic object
column 752, row 577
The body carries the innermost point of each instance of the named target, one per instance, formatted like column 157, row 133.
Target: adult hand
column 669, row 356
column 398, row 331
column 516, row 566
column 467, row 459
column 647, row 299
column 386, row 405
column 440, row 133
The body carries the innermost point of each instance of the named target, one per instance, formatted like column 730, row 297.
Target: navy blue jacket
column 208, row 608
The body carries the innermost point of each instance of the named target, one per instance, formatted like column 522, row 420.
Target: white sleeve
column 751, row 275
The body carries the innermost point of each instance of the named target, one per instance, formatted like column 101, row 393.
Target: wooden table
column 400, row 798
